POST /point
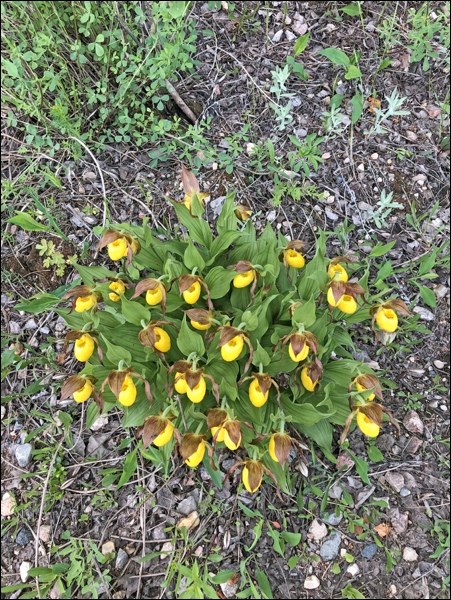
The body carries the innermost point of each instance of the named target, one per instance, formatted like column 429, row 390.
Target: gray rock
column 395, row 480
column 335, row 491
column 398, row 520
column 23, row 454
column 404, row 491
column 334, row 519
column 413, row 445
column 166, row 498
column 386, row 442
column 369, row 551
column 187, row 506
column 413, row 423
column 30, row 324
column 331, row 215
column 329, row 550
column 14, row 327
column 121, row 559
column 23, row 537
column 409, row 554
column 425, row 314
column 158, row 532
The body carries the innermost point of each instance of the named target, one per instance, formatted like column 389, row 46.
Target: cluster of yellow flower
column 192, row 381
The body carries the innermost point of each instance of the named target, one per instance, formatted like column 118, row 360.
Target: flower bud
column 279, row 447
column 118, row 289
column 337, row 272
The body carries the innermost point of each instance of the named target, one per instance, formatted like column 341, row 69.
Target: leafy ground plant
column 220, row 340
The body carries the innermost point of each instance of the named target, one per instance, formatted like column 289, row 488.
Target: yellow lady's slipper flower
column 196, row 457
column 165, row 436
column 180, row 384
column 362, row 388
column 200, row 326
column 307, row 381
column 279, row 447
column 232, row 349
column 197, row 394
column 387, row 319
column 221, row 433
column 163, row 341
column 83, row 303
column 127, row 395
column 243, row 212
column 294, row 259
column 252, row 475
column 118, row 249
column 155, row 296
column 337, row 272
column 242, row 280
column 300, row 356
column 84, row 347
column 118, row 288
column 347, row 304
column 231, row 445
column 256, row 395
column 366, row 425
column 331, row 299
column 84, row 393
column 192, row 294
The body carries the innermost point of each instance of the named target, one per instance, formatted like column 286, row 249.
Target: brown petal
column 71, row 385
column 264, row 381
column 108, row 237
column 199, row 315
column 192, row 378
column 181, row 366
column 297, row 342
column 227, row 334
column 147, row 336
column 340, row 259
column 152, row 428
column 370, row 382
column 216, row 417
column 78, row 290
column 243, row 266
column 373, row 411
column 315, row 370
column 282, row 447
column 312, row 342
column 189, row 444
column 234, row 431
column 71, row 336
column 354, row 289
column 186, row 281
column 144, row 285
column 297, row 245
column 98, row 399
column 189, row 181
column 338, row 289
column 399, row 306
column 255, row 469
column 115, row 380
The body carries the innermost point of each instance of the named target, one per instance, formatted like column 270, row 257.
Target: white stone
column 99, row 423
column 24, row 569
column 311, row 582
column 317, row 531
column 353, row 570
column 8, row 504
column 409, row 554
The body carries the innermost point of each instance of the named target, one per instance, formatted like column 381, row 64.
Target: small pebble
column 23, row 454
column 353, row 570
column 121, row 559
column 311, row 582
column 23, row 537
column 374, row 156
column 23, row 570
column 409, row 554
column 369, row 551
